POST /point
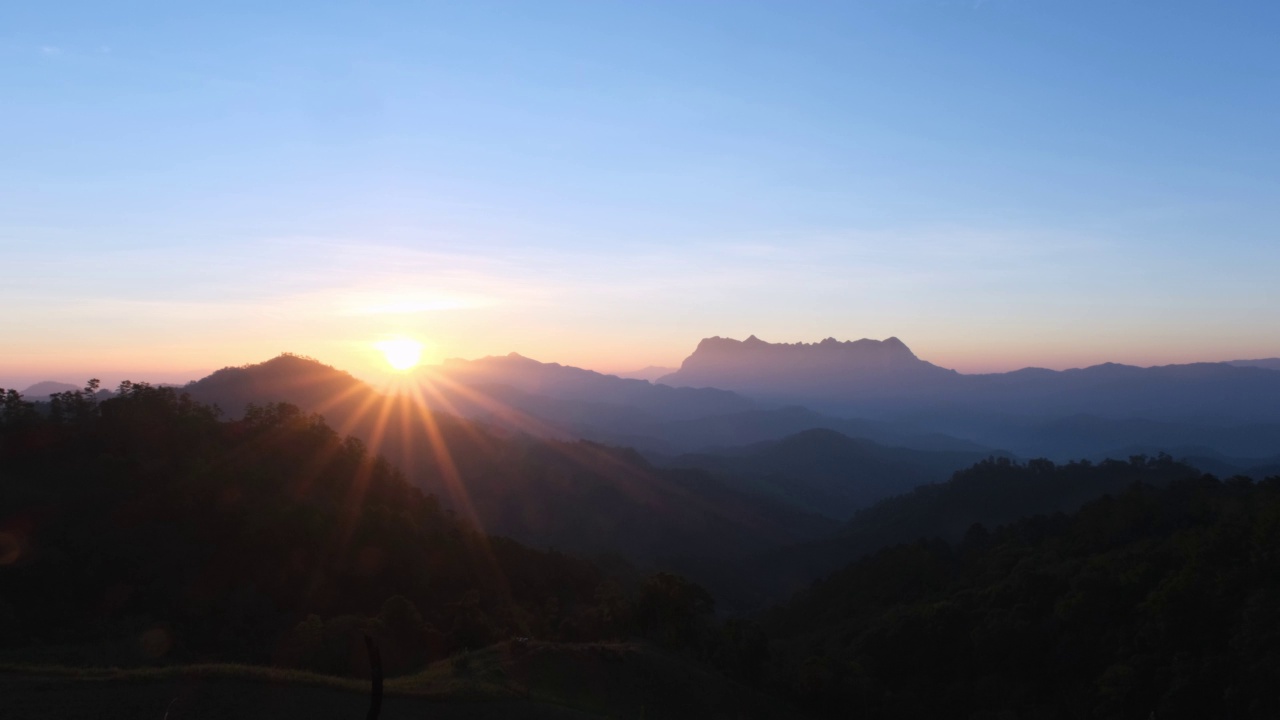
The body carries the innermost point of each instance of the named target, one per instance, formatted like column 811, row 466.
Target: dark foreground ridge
column 1151, row 602
column 242, row 564
column 143, row 532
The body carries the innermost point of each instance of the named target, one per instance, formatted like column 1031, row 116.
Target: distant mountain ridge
column 802, row 371
column 878, row 390
column 576, row 384
column 884, row 380
column 650, row 373
column 1265, row 363
column 562, row 401
column 829, row 473
column 43, row 390
column 548, row 490
column 731, row 393
column 992, row 492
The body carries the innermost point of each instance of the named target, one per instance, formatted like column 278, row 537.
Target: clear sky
column 999, row 183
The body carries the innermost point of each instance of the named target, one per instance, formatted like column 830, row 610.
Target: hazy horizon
column 379, row 375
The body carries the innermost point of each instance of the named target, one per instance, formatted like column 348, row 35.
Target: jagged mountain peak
column 805, row 371
column 717, row 342
column 850, row 354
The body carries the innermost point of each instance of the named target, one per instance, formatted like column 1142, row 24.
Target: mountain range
column 730, row 393
column 828, row 473
column 886, row 378
column 553, row 400
column 729, row 473
column 546, row 489
column 1232, row 408
column 217, row 524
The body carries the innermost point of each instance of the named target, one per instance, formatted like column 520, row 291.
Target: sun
column 402, row 353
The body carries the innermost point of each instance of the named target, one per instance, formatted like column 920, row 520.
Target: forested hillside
column 825, row 472
column 144, row 528
column 1153, row 602
column 992, row 492
column 578, row 497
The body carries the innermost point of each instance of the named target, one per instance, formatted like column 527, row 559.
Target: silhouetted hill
column 1214, row 463
column 574, row 496
column 992, row 492
column 564, row 383
column 632, row 426
column 516, row 394
column 829, row 473
column 1150, row 602
column 1265, row 363
column 650, row 373
column 145, row 531
column 1097, row 438
column 552, row 400
column 294, row 379
column 720, row 433
column 1209, row 393
column 571, row 383
column 589, row 499
column 42, row 390
column 142, row 529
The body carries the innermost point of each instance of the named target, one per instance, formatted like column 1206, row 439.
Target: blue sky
column 999, row 183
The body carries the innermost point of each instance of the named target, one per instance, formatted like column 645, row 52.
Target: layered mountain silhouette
column 886, row 376
column 578, row 389
column 992, row 492
column 42, row 390
column 1264, row 363
column 1228, row 407
column 650, row 373
column 829, row 473
column 732, row 393
column 719, row 433
column 145, row 535
column 1147, row 602
column 304, row 540
column 549, row 492
column 729, row 475
column 554, row 400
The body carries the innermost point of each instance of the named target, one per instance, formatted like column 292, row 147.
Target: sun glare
column 401, row 353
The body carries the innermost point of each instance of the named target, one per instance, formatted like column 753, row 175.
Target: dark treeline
column 143, row 528
column 992, row 492
column 1161, row 600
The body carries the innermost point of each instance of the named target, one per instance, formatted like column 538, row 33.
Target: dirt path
column 44, row 697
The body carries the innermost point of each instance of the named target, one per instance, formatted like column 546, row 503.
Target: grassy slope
column 508, row 680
